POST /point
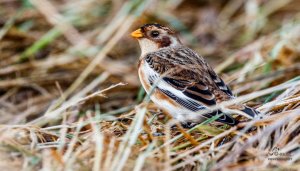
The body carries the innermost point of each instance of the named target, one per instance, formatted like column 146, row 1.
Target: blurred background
column 65, row 62
column 51, row 49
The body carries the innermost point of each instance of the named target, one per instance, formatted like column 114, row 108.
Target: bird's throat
column 147, row 46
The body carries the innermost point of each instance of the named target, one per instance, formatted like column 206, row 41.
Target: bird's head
column 152, row 37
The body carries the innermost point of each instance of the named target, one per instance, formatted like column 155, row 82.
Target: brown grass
column 70, row 98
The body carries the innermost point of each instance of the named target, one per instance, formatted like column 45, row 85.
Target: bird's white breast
column 145, row 72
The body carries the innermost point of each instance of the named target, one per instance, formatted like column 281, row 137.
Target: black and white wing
column 184, row 86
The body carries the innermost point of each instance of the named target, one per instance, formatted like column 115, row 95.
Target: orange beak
column 137, row 33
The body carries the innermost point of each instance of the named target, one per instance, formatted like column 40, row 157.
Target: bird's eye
column 154, row 33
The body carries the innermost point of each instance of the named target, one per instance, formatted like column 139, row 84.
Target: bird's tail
column 250, row 112
column 228, row 119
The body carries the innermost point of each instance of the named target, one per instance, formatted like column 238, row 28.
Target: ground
column 70, row 97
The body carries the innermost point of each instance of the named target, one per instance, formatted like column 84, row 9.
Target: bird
column 181, row 82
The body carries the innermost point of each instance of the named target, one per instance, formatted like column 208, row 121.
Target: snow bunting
column 184, row 83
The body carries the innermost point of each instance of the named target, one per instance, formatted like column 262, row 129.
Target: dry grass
column 70, row 98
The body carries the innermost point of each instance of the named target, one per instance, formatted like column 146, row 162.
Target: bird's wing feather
column 190, row 91
column 187, row 103
column 185, row 69
column 180, row 78
column 219, row 82
column 197, row 91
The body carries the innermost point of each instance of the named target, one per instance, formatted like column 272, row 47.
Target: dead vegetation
column 70, row 98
